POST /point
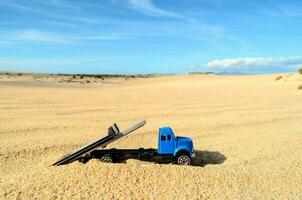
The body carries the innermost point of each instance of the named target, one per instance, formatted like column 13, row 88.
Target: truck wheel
column 84, row 160
column 106, row 158
column 183, row 160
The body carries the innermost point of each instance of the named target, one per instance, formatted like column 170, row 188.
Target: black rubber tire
column 183, row 159
column 84, row 160
column 107, row 158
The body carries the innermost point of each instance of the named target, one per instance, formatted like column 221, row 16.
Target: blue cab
column 181, row 148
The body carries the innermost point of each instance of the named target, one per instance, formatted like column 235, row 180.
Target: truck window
column 163, row 138
column 169, row 137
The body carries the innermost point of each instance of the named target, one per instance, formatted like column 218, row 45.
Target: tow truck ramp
column 101, row 142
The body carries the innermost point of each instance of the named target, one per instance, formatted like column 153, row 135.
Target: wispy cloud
column 21, row 7
column 61, row 3
column 116, row 28
column 275, row 9
column 33, row 35
column 147, row 7
column 186, row 26
column 101, row 37
column 49, row 11
column 256, row 64
column 34, row 4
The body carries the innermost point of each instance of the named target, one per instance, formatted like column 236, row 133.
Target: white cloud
column 258, row 62
column 147, row 7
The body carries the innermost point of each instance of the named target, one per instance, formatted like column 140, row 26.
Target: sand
column 247, row 132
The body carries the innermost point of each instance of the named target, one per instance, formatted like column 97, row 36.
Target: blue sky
column 150, row 36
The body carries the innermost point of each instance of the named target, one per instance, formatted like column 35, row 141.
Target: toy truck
column 170, row 148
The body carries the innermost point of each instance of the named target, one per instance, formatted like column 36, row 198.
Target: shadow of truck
column 203, row 158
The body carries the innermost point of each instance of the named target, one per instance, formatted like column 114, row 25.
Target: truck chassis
column 120, row 155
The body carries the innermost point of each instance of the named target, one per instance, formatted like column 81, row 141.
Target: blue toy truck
column 170, row 148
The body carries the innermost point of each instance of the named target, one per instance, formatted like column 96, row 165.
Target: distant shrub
column 300, row 87
column 278, row 78
column 300, row 71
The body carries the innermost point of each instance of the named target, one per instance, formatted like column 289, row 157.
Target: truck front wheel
column 183, row 159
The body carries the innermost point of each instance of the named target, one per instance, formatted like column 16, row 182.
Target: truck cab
column 181, row 148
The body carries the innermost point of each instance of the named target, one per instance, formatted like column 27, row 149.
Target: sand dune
column 247, row 131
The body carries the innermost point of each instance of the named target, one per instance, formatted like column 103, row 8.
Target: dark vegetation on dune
column 78, row 78
column 103, row 76
column 204, row 73
column 278, row 78
column 81, row 76
column 300, row 71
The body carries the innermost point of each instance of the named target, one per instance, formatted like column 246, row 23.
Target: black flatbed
column 86, row 150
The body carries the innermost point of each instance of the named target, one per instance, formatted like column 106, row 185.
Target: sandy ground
column 247, row 131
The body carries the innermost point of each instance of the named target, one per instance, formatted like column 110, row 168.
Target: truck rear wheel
column 106, row 158
column 84, row 160
column 183, row 159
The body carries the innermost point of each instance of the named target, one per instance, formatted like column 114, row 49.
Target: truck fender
column 181, row 148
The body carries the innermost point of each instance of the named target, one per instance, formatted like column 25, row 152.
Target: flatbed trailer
column 83, row 152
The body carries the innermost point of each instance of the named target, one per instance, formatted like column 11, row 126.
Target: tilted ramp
column 101, row 142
